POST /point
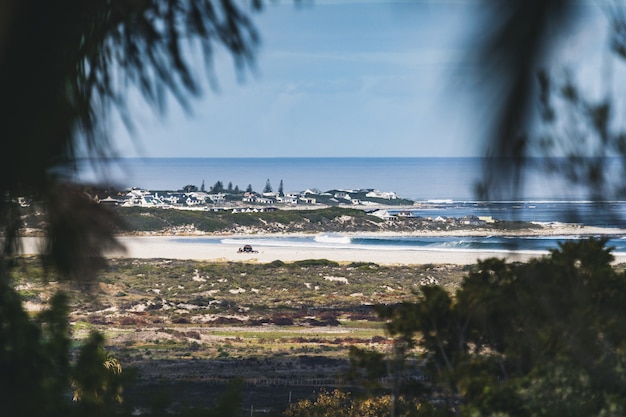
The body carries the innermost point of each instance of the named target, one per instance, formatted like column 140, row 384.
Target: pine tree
column 281, row 189
column 268, row 187
column 230, row 187
column 218, row 187
column 249, row 189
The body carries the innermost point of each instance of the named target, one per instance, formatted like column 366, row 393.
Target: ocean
column 418, row 179
column 440, row 186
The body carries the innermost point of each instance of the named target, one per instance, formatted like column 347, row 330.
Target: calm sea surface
column 412, row 178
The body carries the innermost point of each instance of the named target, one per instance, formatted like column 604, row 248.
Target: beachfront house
column 192, row 201
column 175, row 198
column 199, row 195
column 218, row 198
column 253, row 198
column 383, row 214
column 342, row 195
column 253, row 209
column 385, row 195
column 249, row 197
column 141, row 198
column 471, row 220
column 287, row 199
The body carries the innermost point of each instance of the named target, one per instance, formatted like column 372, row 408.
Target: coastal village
column 193, row 199
column 386, row 205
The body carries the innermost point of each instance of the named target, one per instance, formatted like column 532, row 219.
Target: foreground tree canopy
column 543, row 338
column 65, row 68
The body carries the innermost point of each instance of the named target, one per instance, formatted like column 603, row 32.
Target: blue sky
column 338, row 79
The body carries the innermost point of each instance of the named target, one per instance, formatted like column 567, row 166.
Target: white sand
column 162, row 247
column 195, row 249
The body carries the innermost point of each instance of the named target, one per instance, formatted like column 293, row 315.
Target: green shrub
column 315, row 262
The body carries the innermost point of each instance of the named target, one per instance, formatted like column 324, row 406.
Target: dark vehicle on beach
column 247, row 249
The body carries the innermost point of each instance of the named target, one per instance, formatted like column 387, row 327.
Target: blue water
column 527, row 244
column 412, row 178
column 603, row 214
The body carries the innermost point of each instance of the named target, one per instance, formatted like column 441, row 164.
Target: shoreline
column 161, row 247
column 148, row 246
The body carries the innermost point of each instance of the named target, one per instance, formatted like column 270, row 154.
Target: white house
column 383, row 214
column 387, row 195
column 217, row 198
column 287, row 199
column 343, row 195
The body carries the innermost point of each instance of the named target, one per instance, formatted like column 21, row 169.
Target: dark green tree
column 230, row 187
column 202, row 186
column 268, row 186
column 218, row 187
column 281, row 191
column 190, row 188
column 249, row 188
column 65, row 69
column 538, row 339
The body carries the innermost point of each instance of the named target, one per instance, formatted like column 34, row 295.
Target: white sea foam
column 440, row 201
column 333, row 238
column 493, row 243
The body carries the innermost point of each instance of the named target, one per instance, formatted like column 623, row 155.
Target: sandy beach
column 162, row 247
column 194, row 248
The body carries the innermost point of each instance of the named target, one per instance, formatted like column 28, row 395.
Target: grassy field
column 204, row 324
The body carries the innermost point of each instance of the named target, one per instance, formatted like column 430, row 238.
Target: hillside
column 333, row 219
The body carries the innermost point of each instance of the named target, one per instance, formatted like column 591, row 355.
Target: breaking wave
column 333, row 239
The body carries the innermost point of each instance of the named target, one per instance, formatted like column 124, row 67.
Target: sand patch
column 343, row 280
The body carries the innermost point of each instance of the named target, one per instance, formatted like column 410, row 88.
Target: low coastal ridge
column 155, row 231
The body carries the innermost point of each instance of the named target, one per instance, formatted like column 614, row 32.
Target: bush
column 315, row 262
column 276, row 264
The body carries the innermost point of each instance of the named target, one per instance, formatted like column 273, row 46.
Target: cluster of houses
column 469, row 220
column 210, row 201
column 202, row 200
column 142, row 198
column 255, row 202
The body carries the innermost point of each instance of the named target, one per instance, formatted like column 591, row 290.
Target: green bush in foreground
column 544, row 338
column 341, row 404
column 39, row 378
column 315, row 262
